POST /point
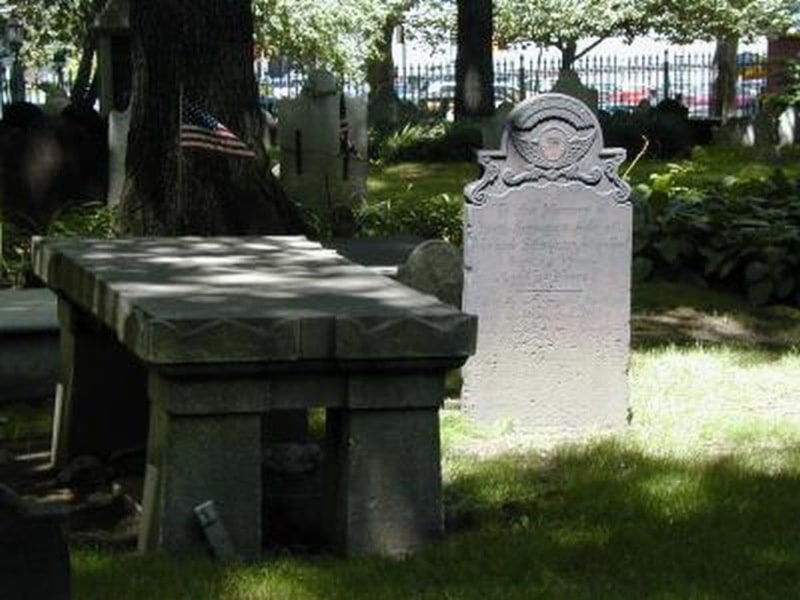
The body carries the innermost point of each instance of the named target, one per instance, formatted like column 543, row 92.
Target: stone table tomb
column 191, row 343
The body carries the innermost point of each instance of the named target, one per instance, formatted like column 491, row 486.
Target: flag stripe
column 199, row 129
column 217, row 148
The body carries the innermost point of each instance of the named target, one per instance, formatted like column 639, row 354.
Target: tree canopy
column 564, row 23
column 344, row 35
column 341, row 36
column 50, row 25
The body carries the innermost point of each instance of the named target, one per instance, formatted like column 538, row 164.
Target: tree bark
column 569, row 54
column 84, row 92
column 380, row 77
column 724, row 93
column 200, row 51
column 474, row 70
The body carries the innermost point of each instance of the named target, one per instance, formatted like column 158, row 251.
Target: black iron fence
column 37, row 85
column 621, row 82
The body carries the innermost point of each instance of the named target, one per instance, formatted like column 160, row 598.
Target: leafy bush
column 666, row 127
column 742, row 233
column 436, row 141
column 91, row 220
column 437, row 216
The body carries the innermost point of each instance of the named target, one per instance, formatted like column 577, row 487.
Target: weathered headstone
column 765, row 130
column 118, row 126
column 787, row 126
column 112, row 30
column 492, row 128
column 436, row 268
column 324, row 162
column 547, row 259
column 738, row 131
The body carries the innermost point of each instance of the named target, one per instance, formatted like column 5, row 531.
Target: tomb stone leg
column 386, row 465
column 101, row 401
column 204, row 445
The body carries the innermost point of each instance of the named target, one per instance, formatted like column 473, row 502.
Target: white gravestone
column 323, row 140
column 118, row 126
column 547, row 262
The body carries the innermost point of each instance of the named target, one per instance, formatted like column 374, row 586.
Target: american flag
column 199, row 129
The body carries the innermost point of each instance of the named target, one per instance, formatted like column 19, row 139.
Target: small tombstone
column 118, row 126
column 547, row 263
column 434, row 267
column 112, row 27
column 492, row 128
column 570, row 84
column 738, row 131
column 765, row 130
column 787, row 126
column 324, row 163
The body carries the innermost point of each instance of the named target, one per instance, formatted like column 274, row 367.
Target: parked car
column 441, row 93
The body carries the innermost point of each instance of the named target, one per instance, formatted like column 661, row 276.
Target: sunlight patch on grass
column 687, row 400
column 419, row 179
column 578, row 537
column 26, row 420
column 674, row 494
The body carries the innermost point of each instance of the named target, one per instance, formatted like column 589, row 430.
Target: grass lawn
column 419, row 179
column 696, row 499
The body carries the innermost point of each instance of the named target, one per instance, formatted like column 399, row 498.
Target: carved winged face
column 553, row 137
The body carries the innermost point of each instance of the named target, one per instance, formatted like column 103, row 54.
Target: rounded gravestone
column 435, row 267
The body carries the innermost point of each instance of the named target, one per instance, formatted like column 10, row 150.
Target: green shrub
column 91, row 220
column 435, row 141
column 741, row 233
column 437, row 216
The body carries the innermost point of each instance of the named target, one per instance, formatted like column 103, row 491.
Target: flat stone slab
column 29, row 350
column 31, row 310
column 248, row 299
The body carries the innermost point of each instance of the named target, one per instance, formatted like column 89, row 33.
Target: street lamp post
column 14, row 34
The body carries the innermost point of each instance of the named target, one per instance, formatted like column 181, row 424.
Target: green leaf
column 668, row 248
column 747, row 222
column 642, row 268
column 785, row 287
column 759, row 293
column 713, row 260
column 728, row 267
column 755, row 271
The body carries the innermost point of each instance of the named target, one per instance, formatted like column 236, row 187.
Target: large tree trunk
column 569, row 53
column 724, row 93
column 196, row 51
column 380, row 77
column 474, row 71
column 84, row 88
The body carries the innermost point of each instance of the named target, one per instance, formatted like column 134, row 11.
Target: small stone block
column 215, row 531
